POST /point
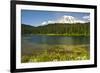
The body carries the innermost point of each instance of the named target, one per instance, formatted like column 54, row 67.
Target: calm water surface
column 31, row 42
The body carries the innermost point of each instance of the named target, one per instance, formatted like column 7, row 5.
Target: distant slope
column 82, row 29
column 26, row 29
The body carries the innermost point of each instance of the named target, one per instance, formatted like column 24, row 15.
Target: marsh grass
column 59, row 53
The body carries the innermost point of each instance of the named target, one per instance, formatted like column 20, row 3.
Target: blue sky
column 36, row 18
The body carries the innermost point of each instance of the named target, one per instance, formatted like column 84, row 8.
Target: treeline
column 82, row 29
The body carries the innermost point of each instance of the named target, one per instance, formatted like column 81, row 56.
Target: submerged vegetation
column 59, row 53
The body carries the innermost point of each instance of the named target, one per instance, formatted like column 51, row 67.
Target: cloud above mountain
column 47, row 22
column 44, row 23
column 86, row 17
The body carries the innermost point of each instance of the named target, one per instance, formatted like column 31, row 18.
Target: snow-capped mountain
column 70, row 19
column 65, row 19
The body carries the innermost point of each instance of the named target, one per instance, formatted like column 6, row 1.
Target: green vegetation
column 59, row 53
column 58, row 29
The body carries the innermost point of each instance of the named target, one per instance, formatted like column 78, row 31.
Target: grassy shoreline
column 59, row 53
column 71, row 35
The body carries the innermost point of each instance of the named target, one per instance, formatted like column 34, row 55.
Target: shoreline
column 58, row 53
column 69, row 35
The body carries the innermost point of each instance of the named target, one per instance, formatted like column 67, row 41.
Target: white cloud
column 70, row 17
column 86, row 17
column 80, row 21
column 51, row 21
column 44, row 23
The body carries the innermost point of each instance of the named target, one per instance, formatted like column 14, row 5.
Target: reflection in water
column 54, row 40
column 37, row 42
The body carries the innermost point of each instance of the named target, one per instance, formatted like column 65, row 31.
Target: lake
column 30, row 44
column 52, row 40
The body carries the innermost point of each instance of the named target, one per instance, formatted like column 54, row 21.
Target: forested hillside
column 78, row 29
